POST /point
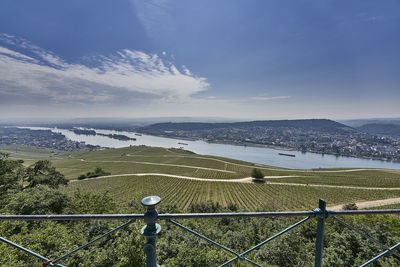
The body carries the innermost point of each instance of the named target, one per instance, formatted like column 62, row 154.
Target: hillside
column 183, row 179
column 320, row 125
column 381, row 129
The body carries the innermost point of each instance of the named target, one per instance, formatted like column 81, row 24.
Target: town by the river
column 260, row 155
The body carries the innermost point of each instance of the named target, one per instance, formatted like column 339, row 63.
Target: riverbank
column 251, row 144
column 256, row 153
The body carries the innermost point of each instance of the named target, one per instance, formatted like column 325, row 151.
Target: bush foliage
column 96, row 173
column 257, row 174
column 39, row 195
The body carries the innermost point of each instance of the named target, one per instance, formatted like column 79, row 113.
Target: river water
column 261, row 155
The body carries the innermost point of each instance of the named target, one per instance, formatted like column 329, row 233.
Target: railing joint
column 317, row 212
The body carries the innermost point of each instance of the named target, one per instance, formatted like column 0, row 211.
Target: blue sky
column 228, row 58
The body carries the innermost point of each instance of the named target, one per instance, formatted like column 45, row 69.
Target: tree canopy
column 257, row 174
column 42, row 172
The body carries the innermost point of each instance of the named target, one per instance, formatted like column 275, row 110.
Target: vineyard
column 247, row 196
column 183, row 193
column 363, row 178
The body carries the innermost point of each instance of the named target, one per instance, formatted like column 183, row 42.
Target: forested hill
column 381, row 129
column 318, row 125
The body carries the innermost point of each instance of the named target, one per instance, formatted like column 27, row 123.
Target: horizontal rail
column 358, row 212
column 188, row 215
column 236, row 214
column 70, row 217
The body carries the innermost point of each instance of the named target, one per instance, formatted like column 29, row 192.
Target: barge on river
column 288, row 155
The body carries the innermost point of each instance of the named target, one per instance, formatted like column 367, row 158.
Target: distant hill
column 381, row 129
column 319, row 125
column 360, row 122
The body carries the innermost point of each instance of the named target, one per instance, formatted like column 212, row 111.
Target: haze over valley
column 199, row 133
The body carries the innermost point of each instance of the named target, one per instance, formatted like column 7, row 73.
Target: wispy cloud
column 264, row 98
column 29, row 72
column 153, row 15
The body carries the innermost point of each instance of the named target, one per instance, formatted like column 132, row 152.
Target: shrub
column 81, row 177
column 350, row 206
column 257, row 174
column 96, row 173
column 37, row 200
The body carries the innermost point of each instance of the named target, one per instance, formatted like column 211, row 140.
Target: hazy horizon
column 150, row 120
column 258, row 60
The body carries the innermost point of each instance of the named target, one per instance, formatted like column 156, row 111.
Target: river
column 261, row 155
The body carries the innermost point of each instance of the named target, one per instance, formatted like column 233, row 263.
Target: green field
column 387, row 207
column 248, row 196
column 31, row 154
column 363, row 178
column 183, row 193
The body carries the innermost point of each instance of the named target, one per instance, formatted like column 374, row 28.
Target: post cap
column 151, row 201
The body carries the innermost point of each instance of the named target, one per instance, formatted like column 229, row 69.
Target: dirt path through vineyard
column 370, row 204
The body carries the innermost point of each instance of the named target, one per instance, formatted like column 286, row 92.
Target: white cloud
column 28, row 70
column 263, row 98
column 186, row 70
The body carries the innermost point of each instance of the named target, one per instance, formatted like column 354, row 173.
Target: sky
column 258, row 59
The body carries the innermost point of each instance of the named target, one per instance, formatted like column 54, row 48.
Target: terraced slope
column 143, row 159
column 363, row 178
column 248, row 196
column 220, row 180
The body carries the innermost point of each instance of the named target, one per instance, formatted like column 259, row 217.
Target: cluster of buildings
column 356, row 144
column 40, row 138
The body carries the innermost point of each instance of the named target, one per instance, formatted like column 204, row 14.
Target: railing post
column 320, row 233
column 151, row 229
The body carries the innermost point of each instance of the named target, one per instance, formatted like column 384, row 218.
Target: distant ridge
column 320, row 125
column 381, row 129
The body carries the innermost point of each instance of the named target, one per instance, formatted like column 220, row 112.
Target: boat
column 288, row 155
column 138, row 134
column 182, row 144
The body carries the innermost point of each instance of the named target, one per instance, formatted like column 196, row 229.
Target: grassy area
column 160, row 160
column 152, row 160
column 386, row 207
column 183, row 193
column 365, row 178
column 249, row 196
column 31, row 154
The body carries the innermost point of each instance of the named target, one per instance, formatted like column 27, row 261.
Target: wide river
column 261, row 155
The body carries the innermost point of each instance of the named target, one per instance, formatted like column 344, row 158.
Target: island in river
column 118, row 137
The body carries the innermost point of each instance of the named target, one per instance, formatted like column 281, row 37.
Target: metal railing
column 151, row 229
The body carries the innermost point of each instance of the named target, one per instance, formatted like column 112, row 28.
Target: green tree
column 38, row 200
column 98, row 171
column 91, row 203
column 11, row 174
column 42, row 172
column 257, row 174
